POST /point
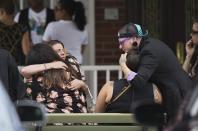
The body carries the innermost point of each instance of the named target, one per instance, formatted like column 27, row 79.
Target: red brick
column 107, row 48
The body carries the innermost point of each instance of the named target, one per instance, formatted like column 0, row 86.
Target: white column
column 91, row 20
column 89, row 54
column 21, row 4
column 53, row 3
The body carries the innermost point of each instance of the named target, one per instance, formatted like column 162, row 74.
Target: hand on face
column 122, row 59
column 190, row 48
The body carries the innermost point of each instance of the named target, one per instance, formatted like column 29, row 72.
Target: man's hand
column 122, row 59
column 124, row 68
column 189, row 48
column 57, row 65
column 76, row 84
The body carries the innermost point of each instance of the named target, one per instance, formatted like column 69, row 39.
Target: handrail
column 91, row 117
column 100, row 67
column 92, row 122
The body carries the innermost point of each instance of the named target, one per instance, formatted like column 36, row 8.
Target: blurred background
column 168, row 20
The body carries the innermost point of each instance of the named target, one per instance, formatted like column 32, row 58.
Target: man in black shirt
column 158, row 65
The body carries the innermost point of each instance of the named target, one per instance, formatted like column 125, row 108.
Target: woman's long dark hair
column 43, row 53
column 74, row 72
column 76, row 10
column 195, row 54
column 54, row 42
column 194, row 57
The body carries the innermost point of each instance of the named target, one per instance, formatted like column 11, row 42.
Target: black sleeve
column 147, row 66
column 16, row 86
column 50, row 16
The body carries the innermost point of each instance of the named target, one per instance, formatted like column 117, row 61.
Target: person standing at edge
column 191, row 61
column 14, row 37
column 10, row 77
column 158, row 65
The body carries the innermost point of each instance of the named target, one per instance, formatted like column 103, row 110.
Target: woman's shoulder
column 60, row 23
column 53, row 23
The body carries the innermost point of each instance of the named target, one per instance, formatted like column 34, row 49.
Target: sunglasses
column 122, row 40
column 194, row 32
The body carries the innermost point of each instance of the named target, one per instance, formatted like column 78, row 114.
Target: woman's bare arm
column 104, row 97
column 26, row 43
column 30, row 70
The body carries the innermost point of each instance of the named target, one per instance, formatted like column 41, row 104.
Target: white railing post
column 97, row 68
column 119, row 74
column 107, row 75
column 21, row 4
column 95, row 86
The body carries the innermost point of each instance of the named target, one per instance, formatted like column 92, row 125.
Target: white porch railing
column 92, row 78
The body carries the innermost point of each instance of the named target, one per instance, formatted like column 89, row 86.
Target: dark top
column 124, row 104
column 10, row 76
column 11, row 40
column 195, row 78
column 159, row 65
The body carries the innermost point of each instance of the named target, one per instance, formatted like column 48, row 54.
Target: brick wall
column 107, row 47
column 107, row 51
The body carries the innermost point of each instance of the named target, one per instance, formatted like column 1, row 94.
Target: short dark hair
column 8, row 6
column 132, row 29
column 133, row 59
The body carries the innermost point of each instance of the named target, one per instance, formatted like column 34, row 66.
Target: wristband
column 131, row 75
column 45, row 66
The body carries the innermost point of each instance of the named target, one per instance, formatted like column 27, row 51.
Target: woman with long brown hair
column 191, row 62
column 51, row 85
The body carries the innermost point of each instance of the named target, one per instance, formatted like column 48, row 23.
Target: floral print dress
column 60, row 100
